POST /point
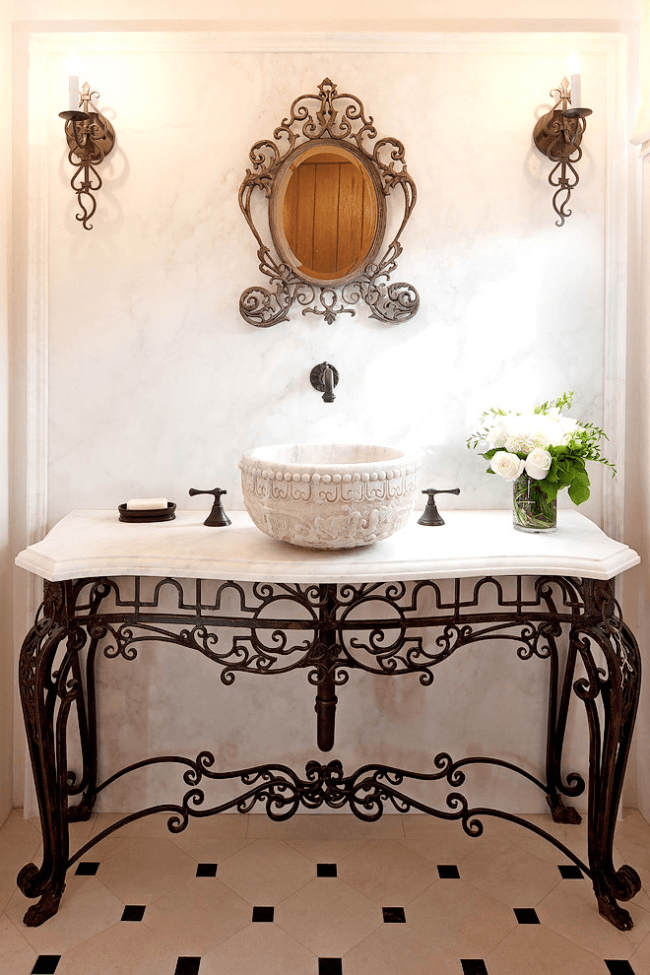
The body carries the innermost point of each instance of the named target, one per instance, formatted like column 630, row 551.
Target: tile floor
column 322, row 895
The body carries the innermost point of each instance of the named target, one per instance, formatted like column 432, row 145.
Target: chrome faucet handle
column 217, row 517
column 430, row 515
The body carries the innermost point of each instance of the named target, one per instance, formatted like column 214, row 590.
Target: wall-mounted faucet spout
column 324, row 377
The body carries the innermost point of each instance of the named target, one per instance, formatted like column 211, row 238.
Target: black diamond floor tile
column 615, row 967
column 326, row 870
column 133, row 912
column 206, row 870
column 86, row 869
column 448, row 871
column 473, row 966
column 330, row 966
column 394, row 915
column 264, row 914
column 526, row 915
column 570, row 871
column 187, row 965
column 46, row 964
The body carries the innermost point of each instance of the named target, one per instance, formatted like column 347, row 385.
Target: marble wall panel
column 156, row 384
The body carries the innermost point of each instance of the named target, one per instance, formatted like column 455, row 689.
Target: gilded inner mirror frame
column 327, row 178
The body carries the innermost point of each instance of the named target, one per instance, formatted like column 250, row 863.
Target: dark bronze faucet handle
column 324, row 377
column 430, row 515
column 217, row 517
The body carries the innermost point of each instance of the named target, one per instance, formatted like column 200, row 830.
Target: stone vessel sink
column 328, row 496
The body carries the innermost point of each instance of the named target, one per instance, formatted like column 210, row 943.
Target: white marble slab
column 86, row 544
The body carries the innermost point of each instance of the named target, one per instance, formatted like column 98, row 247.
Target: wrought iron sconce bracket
column 558, row 136
column 90, row 137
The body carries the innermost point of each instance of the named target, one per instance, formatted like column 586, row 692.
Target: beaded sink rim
column 335, row 472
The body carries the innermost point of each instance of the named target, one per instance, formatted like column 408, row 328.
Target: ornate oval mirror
column 327, row 180
column 327, row 213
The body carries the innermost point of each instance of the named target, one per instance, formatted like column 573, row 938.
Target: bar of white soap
column 145, row 504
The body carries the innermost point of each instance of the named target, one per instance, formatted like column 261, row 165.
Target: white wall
column 6, row 555
column 637, row 591
column 155, row 382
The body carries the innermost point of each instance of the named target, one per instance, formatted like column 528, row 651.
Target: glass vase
column 532, row 511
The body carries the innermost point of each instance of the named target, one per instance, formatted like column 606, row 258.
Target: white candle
column 73, row 89
column 574, row 68
column 146, row 504
column 73, row 81
column 576, row 94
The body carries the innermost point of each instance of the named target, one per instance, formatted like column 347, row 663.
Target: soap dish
column 147, row 514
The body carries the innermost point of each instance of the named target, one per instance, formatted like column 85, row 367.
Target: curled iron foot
column 618, row 916
column 46, row 908
column 561, row 813
column 628, row 883
column 29, row 880
column 82, row 812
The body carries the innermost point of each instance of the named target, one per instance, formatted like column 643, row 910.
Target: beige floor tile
column 5, row 897
column 509, row 873
column 448, row 843
column 121, row 949
column 571, row 910
column 198, row 916
column 213, row 851
column 86, row 909
column 266, row 872
column 16, row 819
column 460, row 918
column 640, row 960
column 534, row 950
column 326, row 851
column 224, row 826
column 153, row 826
column 16, row 954
column 19, row 844
column 257, row 949
column 574, row 837
column 422, row 827
column 394, row 949
column 632, row 841
column 387, row 873
column 328, row 917
column 140, row 870
column 319, row 827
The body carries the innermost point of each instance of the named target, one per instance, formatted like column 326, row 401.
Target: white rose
column 497, row 435
column 538, row 464
column 508, row 466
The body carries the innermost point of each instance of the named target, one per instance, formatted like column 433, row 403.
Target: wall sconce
column 558, row 135
column 90, row 138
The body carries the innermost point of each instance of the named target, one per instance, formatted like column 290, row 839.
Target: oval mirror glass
column 327, row 213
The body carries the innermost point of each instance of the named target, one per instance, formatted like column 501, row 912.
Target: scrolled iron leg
column 38, row 690
column 87, row 718
column 560, row 688
column 617, row 689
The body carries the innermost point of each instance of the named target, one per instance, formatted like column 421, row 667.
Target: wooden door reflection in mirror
column 326, row 214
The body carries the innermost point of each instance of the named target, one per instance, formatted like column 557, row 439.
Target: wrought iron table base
column 76, row 618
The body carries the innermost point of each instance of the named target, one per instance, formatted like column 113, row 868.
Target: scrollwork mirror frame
column 329, row 118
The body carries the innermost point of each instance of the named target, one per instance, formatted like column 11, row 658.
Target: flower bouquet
column 541, row 452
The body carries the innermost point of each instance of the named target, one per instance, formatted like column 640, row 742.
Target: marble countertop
column 87, row 544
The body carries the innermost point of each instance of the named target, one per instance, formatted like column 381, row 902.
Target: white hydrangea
column 519, row 433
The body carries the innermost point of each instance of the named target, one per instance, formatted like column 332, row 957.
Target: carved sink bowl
column 328, row 496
